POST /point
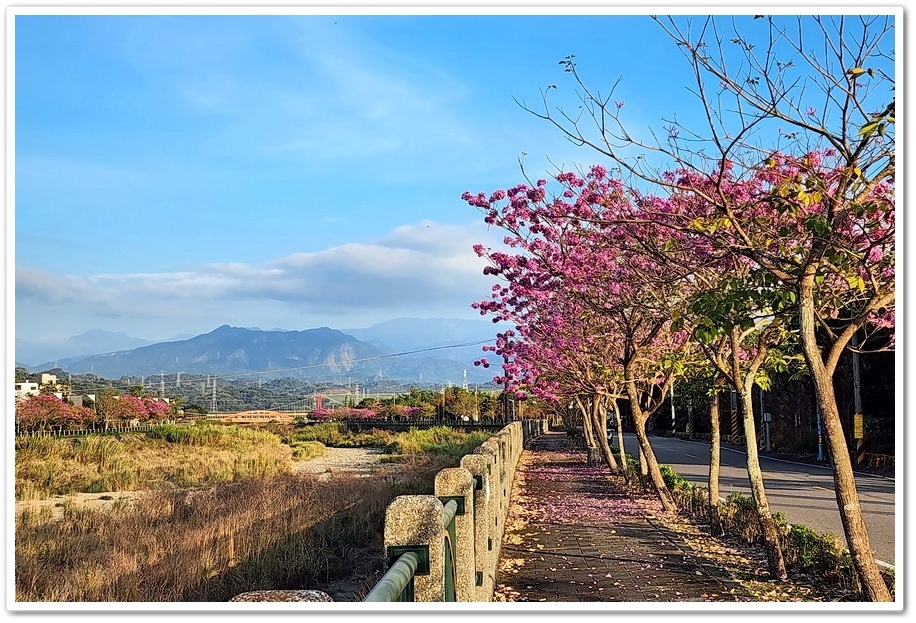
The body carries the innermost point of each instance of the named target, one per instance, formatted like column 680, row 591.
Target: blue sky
column 174, row 173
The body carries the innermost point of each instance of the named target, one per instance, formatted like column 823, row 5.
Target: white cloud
column 425, row 269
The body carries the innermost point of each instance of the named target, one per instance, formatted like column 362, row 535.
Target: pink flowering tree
column 574, row 266
column 46, row 412
column 352, row 413
column 321, row 415
column 130, row 409
column 808, row 133
column 156, row 410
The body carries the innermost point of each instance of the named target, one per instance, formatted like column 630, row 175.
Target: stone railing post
column 415, row 521
column 485, row 571
column 458, row 483
column 505, row 477
column 490, row 449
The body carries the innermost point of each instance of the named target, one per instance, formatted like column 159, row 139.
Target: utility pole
column 736, row 423
column 213, row 400
column 820, row 436
column 672, row 404
column 858, row 417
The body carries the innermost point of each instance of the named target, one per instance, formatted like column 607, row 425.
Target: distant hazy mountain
column 324, row 353
column 411, row 334
column 91, row 342
column 438, row 339
column 232, row 350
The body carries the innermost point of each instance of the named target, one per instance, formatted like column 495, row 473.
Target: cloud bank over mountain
column 424, row 269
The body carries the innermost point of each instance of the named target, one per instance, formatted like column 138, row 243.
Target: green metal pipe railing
column 448, row 523
column 397, row 583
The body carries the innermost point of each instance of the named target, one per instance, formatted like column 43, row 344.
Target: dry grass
column 208, row 545
column 46, row 467
column 222, row 515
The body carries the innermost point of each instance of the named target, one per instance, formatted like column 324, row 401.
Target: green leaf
column 869, row 127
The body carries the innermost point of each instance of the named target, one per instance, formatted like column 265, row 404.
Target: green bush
column 196, row 435
column 334, row 435
column 813, row 551
column 674, row 481
column 804, row 549
column 210, row 435
column 304, row 450
column 439, row 440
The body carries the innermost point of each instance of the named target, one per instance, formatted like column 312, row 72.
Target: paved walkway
column 575, row 533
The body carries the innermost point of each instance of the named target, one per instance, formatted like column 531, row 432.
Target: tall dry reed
column 211, row 544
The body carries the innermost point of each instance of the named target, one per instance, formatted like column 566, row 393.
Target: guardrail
column 445, row 546
column 398, row 582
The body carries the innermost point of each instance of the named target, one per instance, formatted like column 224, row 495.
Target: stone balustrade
column 482, row 486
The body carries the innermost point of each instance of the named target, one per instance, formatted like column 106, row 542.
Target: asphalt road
column 803, row 492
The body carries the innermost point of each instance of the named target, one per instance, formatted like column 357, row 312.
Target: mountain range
column 404, row 349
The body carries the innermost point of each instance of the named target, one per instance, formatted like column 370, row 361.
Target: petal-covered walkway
column 577, row 533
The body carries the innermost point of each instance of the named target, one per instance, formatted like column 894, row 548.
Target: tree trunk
column 654, row 473
column 587, row 433
column 863, row 558
column 714, row 455
column 599, row 420
column 621, row 452
column 775, row 562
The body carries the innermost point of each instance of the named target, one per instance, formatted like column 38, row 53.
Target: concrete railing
column 481, row 486
column 446, row 546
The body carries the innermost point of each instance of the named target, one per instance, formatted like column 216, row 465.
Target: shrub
column 739, row 517
column 439, row 440
column 813, row 551
column 328, row 433
column 99, row 449
column 304, row 450
column 674, row 481
column 804, row 549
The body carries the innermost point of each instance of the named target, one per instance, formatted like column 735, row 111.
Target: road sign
column 858, row 426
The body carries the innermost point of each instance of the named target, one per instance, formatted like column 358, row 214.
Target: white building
column 26, row 389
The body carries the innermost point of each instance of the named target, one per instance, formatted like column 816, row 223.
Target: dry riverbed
column 335, row 461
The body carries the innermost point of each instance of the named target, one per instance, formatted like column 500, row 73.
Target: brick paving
column 577, row 534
